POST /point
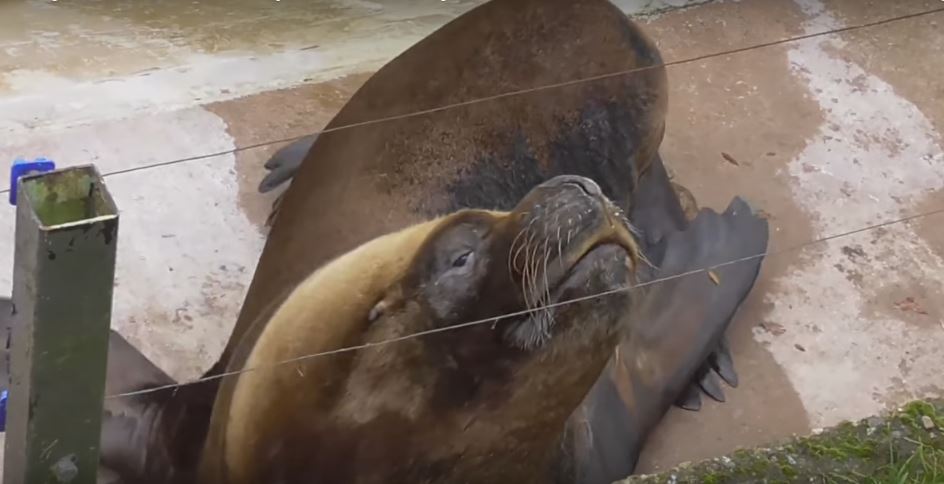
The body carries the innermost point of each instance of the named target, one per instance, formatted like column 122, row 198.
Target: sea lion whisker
column 526, row 271
column 547, row 285
column 547, row 293
column 525, row 231
column 536, row 298
column 533, row 275
column 523, row 250
column 513, row 260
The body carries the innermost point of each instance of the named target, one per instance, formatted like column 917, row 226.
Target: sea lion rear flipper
column 6, row 321
column 690, row 399
column 711, row 385
column 150, row 437
column 675, row 325
column 658, row 210
column 723, row 363
column 285, row 162
column 128, row 422
column 719, row 363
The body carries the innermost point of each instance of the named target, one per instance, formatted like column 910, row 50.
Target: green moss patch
column 906, row 446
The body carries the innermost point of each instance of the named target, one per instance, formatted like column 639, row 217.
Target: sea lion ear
column 391, row 300
column 378, row 310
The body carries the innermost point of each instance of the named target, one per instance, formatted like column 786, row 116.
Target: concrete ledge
column 903, row 446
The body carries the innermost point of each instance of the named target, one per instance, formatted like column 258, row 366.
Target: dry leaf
column 773, row 328
column 799, row 347
column 714, row 278
column 729, row 159
column 909, row 304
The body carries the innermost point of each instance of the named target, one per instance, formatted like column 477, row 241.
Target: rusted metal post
column 64, row 268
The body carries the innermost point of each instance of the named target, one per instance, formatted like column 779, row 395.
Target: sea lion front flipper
column 675, row 324
column 285, row 162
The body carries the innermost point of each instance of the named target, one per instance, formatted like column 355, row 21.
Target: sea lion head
column 463, row 399
column 563, row 241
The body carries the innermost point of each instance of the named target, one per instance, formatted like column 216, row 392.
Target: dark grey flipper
column 6, row 323
column 285, row 162
column 723, row 363
column 657, row 212
column 129, row 423
column 690, row 399
column 6, row 312
column 719, row 364
column 151, row 438
column 675, row 326
column 712, row 385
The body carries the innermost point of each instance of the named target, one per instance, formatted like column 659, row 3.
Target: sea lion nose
column 588, row 186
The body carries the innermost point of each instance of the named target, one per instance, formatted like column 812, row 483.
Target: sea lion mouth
column 571, row 236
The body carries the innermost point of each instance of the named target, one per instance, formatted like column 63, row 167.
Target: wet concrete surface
column 824, row 136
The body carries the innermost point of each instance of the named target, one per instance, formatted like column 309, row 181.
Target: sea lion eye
column 462, row 260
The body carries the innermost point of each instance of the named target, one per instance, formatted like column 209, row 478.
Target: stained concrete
column 826, row 135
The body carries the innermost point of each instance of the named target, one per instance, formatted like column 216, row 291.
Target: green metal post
column 64, row 268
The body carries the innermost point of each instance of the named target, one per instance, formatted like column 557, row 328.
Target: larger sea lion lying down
column 464, row 214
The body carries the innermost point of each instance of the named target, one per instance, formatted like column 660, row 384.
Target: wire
column 528, row 311
column 534, row 89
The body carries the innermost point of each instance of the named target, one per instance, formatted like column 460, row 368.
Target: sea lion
column 486, row 154
column 379, row 177
column 360, row 184
column 484, row 403
column 437, row 408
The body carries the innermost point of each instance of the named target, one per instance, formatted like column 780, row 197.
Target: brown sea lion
column 360, row 184
column 484, row 403
column 483, row 155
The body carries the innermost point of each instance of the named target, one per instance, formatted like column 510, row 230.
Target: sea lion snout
column 563, row 219
column 571, row 240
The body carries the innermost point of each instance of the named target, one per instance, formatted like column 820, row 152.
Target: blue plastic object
column 23, row 167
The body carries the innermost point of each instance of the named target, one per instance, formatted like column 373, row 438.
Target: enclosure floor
column 825, row 135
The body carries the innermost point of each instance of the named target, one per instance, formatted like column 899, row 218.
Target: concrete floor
column 829, row 134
